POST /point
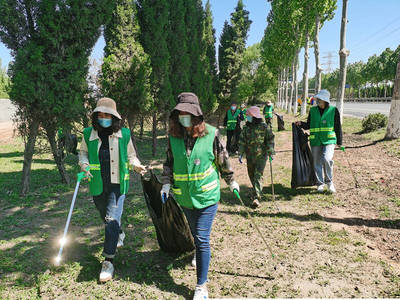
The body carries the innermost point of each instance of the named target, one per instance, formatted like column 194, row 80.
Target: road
column 360, row 110
column 6, row 110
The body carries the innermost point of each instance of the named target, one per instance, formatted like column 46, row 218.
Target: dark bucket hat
column 188, row 102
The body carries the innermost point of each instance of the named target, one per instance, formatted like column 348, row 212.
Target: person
column 232, row 123
column 108, row 151
column 325, row 131
column 257, row 143
column 195, row 158
column 268, row 112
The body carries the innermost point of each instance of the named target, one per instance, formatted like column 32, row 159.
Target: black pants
column 232, row 145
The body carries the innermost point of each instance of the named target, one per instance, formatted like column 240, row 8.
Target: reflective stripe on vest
column 268, row 111
column 322, row 131
column 196, row 178
column 96, row 183
column 232, row 119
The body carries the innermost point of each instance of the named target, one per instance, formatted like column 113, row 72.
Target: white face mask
column 185, row 120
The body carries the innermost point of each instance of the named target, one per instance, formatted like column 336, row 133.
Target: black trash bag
column 303, row 173
column 281, row 123
column 172, row 228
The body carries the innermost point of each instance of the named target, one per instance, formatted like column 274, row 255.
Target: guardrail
column 373, row 99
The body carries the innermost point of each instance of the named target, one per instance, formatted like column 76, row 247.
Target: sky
column 373, row 26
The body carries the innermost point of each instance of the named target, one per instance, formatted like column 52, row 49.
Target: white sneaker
column 121, row 238
column 107, row 271
column 194, row 260
column 331, row 187
column 200, row 293
column 320, row 188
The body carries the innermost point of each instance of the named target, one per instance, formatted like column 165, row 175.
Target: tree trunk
column 393, row 128
column 57, row 154
column 296, row 86
column 281, row 90
column 28, row 154
column 278, row 91
column 305, row 78
column 289, row 108
column 286, row 89
column 318, row 70
column 343, row 52
column 141, row 127
column 154, row 134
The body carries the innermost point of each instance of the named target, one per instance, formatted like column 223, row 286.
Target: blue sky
column 373, row 26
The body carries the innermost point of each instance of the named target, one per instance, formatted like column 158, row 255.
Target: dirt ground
column 324, row 246
column 6, row 132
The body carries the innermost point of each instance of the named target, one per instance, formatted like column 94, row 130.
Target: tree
column 51, row 45
column 153, row 20
column 126, row 67
column 393, row 128
column 230, row 52
column 4, row 83
column 343, row 53
column 178, row 48
column 323, row 10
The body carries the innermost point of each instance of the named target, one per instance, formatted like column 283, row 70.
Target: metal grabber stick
column 253, row 223
column 63, row 240
column 351, row 169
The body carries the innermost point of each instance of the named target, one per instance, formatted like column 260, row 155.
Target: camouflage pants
column 255, row 170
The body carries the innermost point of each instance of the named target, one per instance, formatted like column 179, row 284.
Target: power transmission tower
column 328, row 61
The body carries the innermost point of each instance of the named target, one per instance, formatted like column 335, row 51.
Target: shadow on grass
column 11, row 154
column 281, row 193
column 390, row 224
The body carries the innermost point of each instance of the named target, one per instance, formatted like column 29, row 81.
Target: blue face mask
column 233, row 107
column 249, row 118
column 105, row 123
column 185, row 120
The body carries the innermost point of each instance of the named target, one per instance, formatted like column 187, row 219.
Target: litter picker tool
column 356, row 184
column 63, row 240
column 235, row 191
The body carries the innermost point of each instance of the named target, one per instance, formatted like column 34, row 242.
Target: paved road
column 6, row 110
column 360, row 110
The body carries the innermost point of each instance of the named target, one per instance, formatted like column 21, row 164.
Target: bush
column 373, row 122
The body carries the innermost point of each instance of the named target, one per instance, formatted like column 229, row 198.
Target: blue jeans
column 200, row 222
column 110, row 204
column 323, row 163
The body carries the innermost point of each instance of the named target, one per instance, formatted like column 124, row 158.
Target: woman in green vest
column 325, row 132
column 195, row 158
column 105, row 155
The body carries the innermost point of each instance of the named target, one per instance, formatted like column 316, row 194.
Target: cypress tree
column 51, row 45
column 233, row 43
column 126, row 68
column 153, row 20
column 178, row 50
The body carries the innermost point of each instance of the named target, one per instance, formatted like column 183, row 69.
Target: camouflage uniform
column 257, row 142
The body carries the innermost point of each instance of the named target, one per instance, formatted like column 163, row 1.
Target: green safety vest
column 322, row 127
column 244, row 112
column 268, row 110
column 96, row 183
column 196, row 179
column 232, row 119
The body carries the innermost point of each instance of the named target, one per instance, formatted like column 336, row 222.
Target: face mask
column 185, row 120
column 249, row 118
column 105, row 123
column 233, row 107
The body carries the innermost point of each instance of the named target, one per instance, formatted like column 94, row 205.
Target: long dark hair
column 115, row 126
column 176, row 129
column 255, row 121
